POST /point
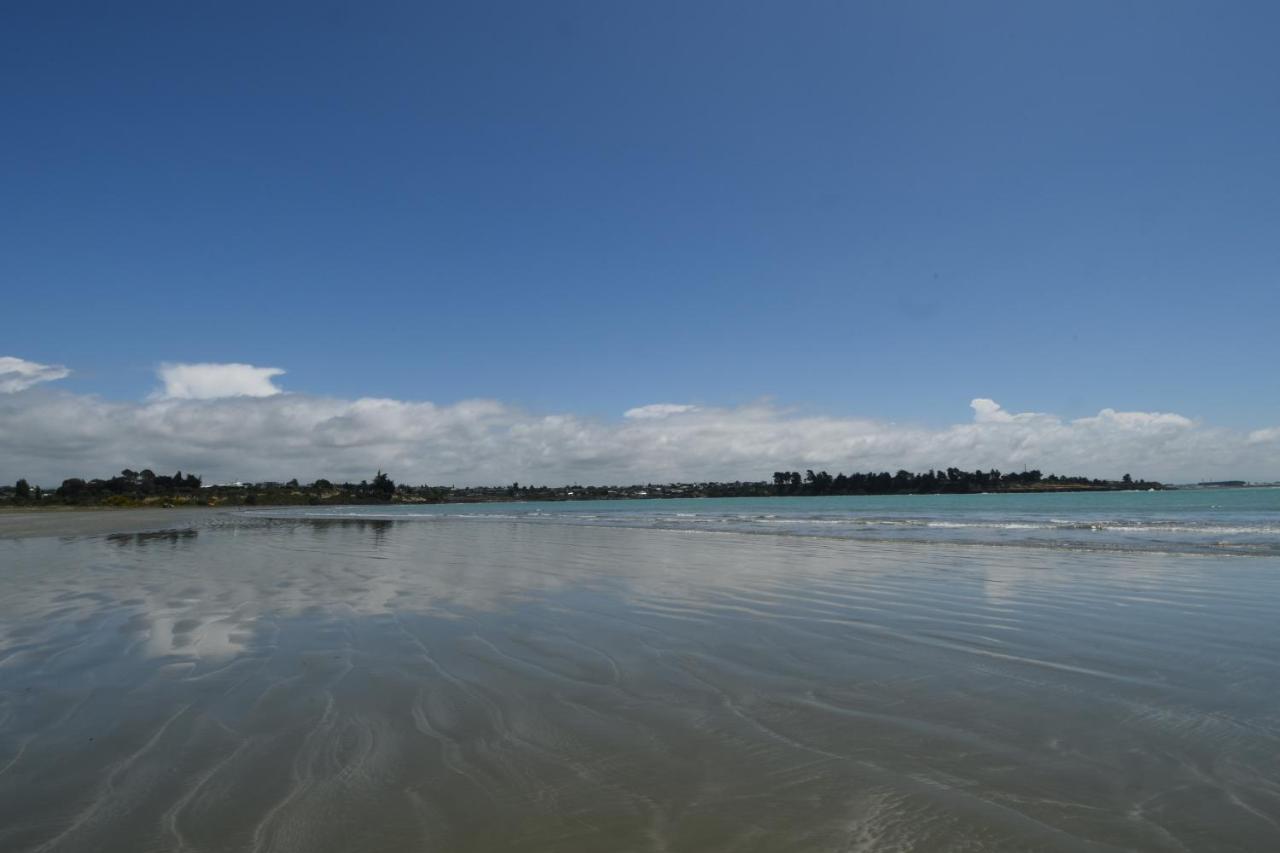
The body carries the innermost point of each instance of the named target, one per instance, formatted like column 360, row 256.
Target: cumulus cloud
column 243, row 428
column 987, row 411
column 17, row 374
column 212, row 381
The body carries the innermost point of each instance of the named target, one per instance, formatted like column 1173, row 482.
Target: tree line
column 133, row 488
column 947, row 481
column 145, row 487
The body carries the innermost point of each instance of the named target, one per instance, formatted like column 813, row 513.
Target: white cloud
column 17, row 374
column 260, row 433
column 989, row 411
column 213, row 381
column 1264, row 436
column 659, row 410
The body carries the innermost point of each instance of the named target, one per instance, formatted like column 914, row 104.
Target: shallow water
column 482, row 685
column 1207, row 521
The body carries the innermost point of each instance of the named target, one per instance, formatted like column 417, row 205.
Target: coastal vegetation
column 146, row 488
column 947, row 481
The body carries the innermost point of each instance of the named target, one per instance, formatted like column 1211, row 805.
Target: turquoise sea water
column 1235, row 521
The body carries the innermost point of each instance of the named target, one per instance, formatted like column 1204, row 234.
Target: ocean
column 1077, row 672
column 1228, row 521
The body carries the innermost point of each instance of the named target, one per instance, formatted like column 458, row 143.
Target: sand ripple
column 480, row 686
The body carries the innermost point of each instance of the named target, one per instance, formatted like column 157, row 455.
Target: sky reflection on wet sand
column 310, row 686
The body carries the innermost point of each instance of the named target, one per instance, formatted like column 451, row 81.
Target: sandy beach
column 18, row 523
column 226, row 685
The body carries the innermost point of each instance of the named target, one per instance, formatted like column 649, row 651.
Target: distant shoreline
column 146, row 488
column 479, row 495
column 60, row 520
column 57, row 520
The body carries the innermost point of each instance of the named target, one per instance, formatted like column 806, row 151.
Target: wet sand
column 17, row 523
column 478, row 686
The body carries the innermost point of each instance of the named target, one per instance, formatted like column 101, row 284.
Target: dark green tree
column 72, row 489
column 383, row 486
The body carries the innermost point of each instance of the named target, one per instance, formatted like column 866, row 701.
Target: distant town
column 146, row 488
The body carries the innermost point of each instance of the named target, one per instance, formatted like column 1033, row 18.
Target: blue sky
column 876, row 209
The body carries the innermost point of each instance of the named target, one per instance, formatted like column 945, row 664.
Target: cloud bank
column 231, row 422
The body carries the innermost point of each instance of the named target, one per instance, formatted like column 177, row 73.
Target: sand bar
column 20, row 524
